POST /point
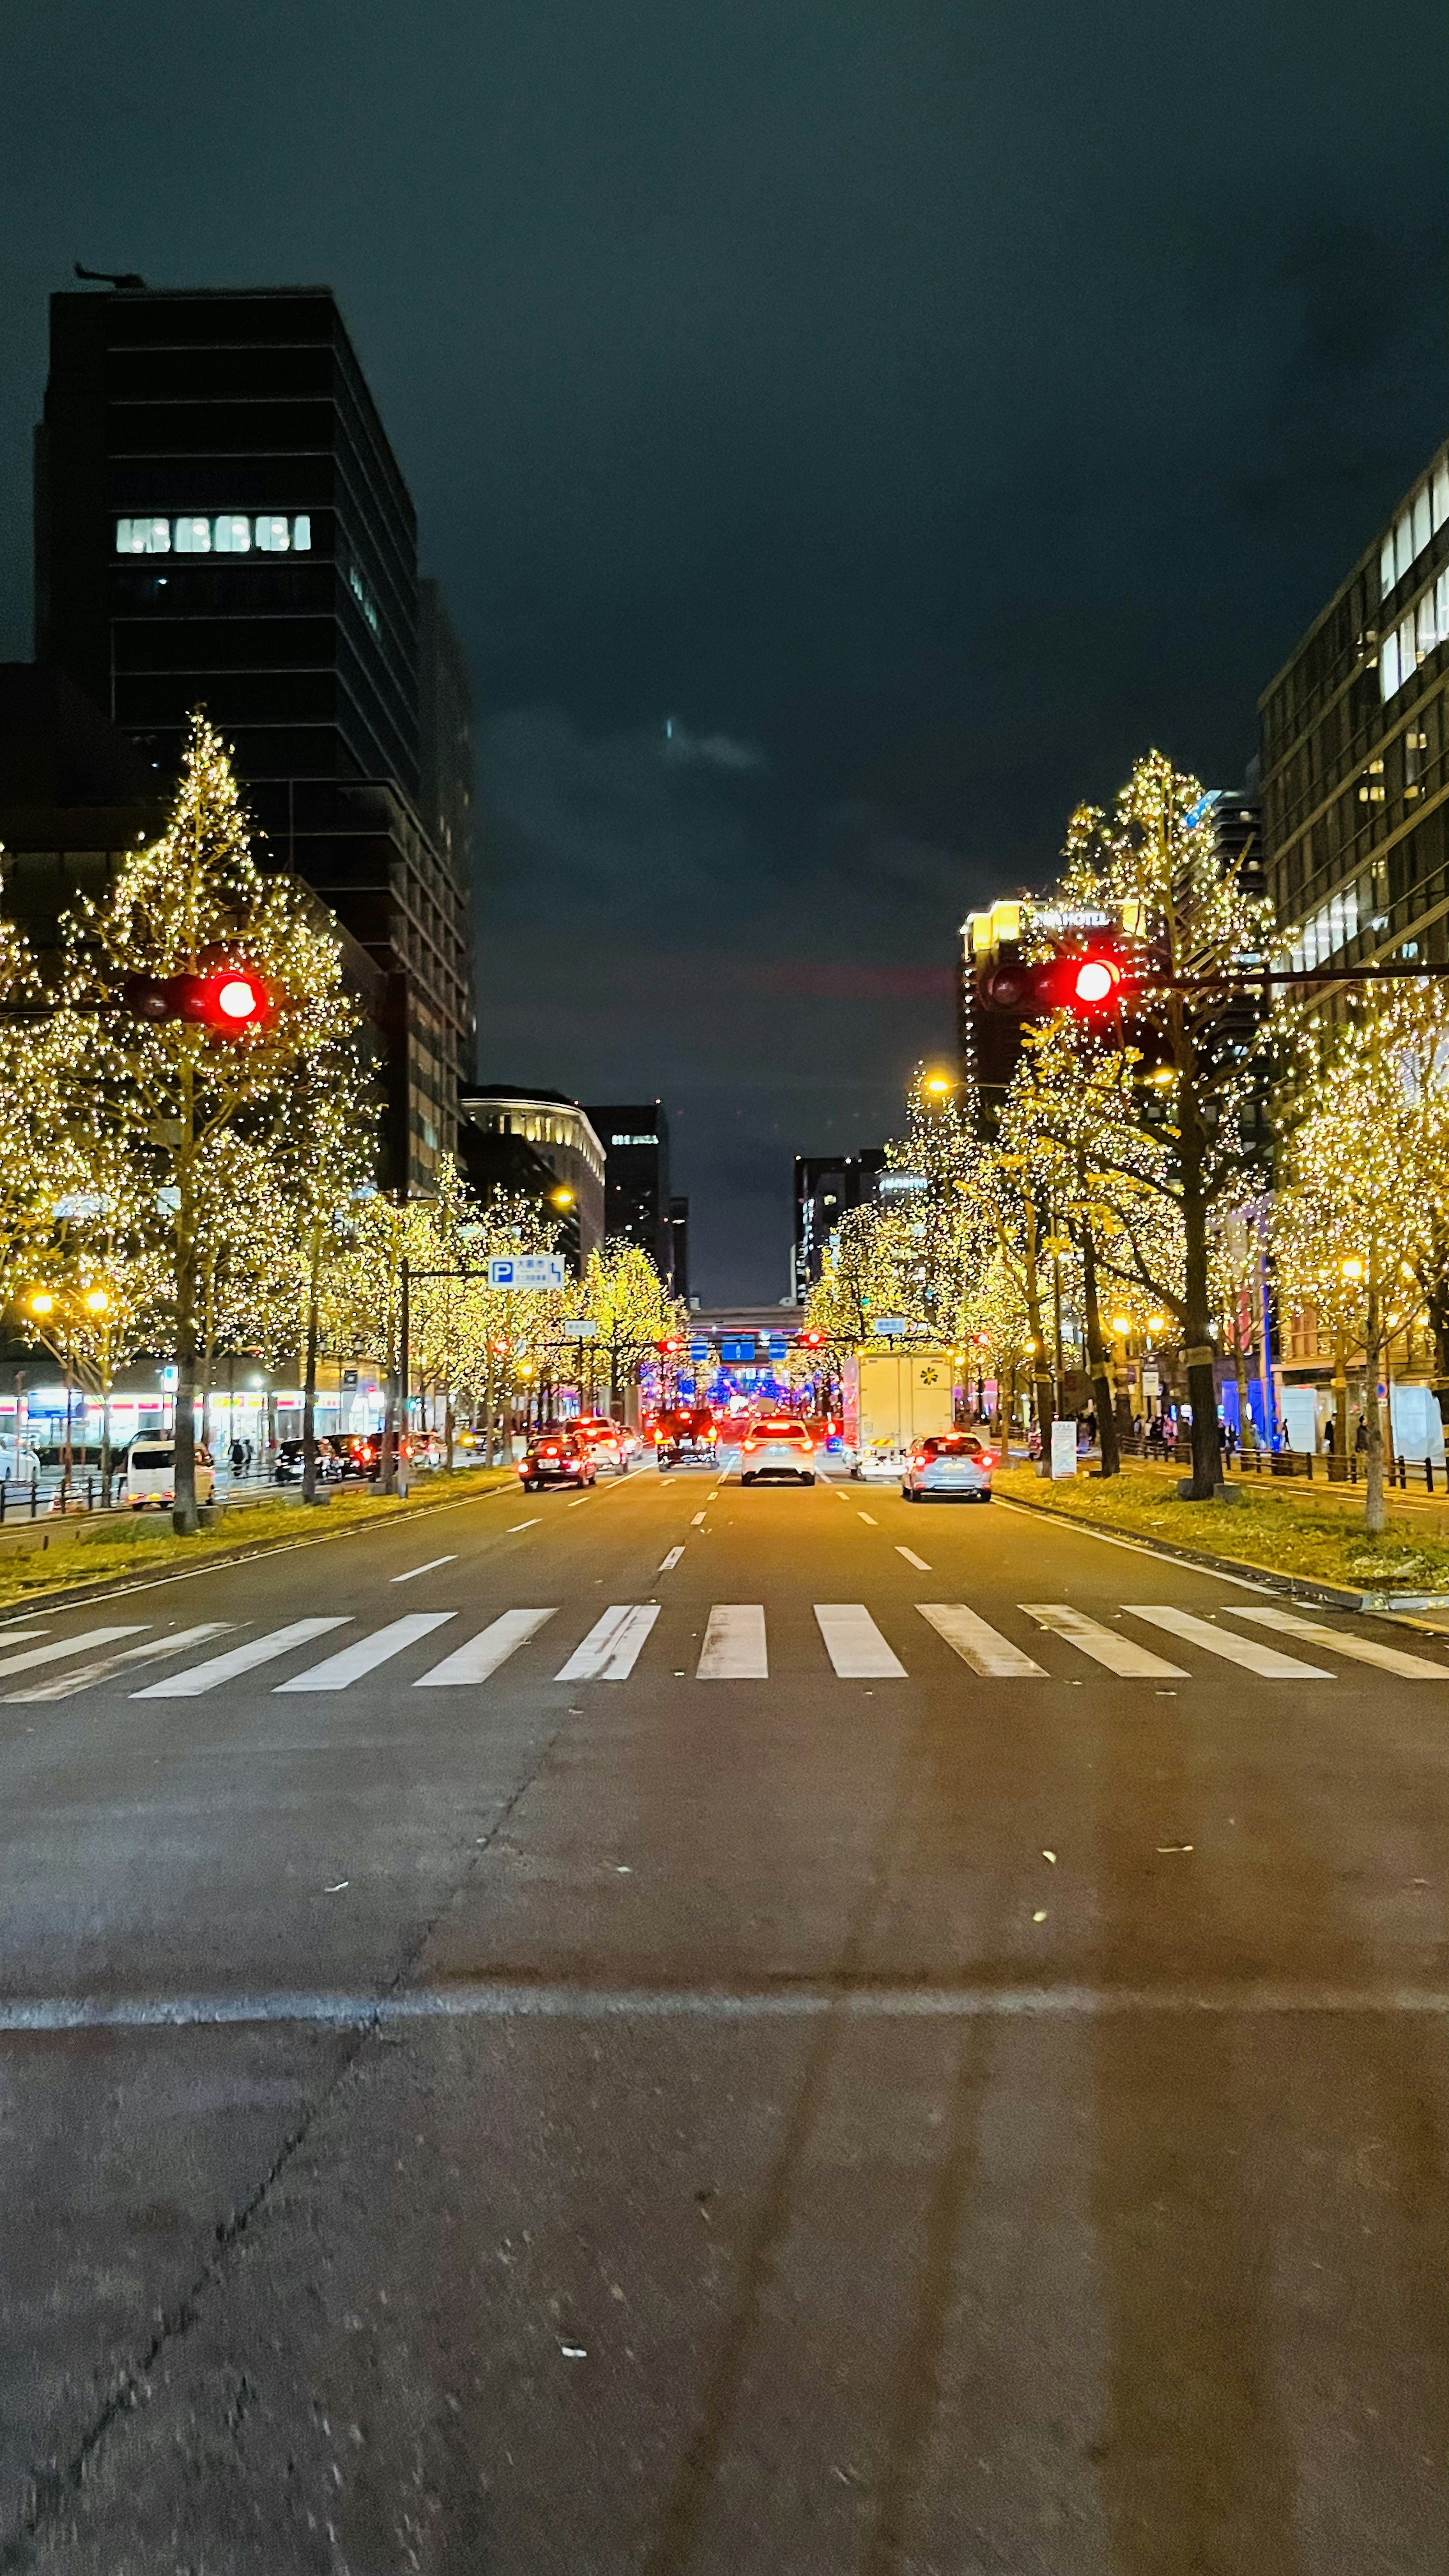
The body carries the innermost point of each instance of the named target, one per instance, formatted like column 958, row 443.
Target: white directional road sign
column 580, row 1328
column 526, row 1270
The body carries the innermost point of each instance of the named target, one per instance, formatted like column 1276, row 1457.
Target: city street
column 765, row 2033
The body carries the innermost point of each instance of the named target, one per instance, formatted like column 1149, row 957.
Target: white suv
column 151, row 1474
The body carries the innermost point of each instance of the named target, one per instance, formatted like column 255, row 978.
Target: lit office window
column 1403, row 544
column 1388, row 666
column 1387, row 574
column 1441, row 493
column 230, row 532
column 1423, row 529
column 143, row 536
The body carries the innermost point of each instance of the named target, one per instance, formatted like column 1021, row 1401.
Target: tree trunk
column 309, row 1381
column 1099, row 1358
column 1197, row 1310
column 184, row 1518
column 1374, row 1514
column 387, row 1455
column 449, row 1427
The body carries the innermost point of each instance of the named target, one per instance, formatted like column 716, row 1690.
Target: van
column 19, row 1463
column 151, row 1474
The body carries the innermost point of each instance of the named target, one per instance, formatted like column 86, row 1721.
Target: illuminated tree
column 1186, row 1138
column 174, row 1091
column 1361, row 1197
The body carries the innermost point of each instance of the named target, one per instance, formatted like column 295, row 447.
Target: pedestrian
column 238, row 1456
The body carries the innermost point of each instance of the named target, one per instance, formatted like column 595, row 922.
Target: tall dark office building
column 635, row 1138
column 827, row 1187
column 220, row 519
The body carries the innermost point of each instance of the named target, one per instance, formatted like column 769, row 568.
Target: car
column 880, row 1462
column 948, row 1462
column 332, row 1466
column 604, row 1441
column 556, row 1457
column 777, row 1447
column 150, row 1476
column 686, row 1435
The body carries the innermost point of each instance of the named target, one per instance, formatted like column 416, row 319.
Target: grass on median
column 147, row 1544
column 1277, row 1531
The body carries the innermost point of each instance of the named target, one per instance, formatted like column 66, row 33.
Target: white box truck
column 890, row 1399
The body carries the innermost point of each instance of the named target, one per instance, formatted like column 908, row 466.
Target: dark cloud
column 923, row 407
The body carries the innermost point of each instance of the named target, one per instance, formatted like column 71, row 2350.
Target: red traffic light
column 1085, row 983
column 811, row 1341
column 229, row 1001
column 666, row 1347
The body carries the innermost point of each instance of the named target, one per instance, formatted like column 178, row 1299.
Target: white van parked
column 151, row 1474
column 19, row 1464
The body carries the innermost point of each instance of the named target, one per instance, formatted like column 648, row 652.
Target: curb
column 65, row 1596
column 1300, row 1587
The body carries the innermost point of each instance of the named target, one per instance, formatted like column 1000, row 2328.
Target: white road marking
column 515, row 1526
column 16, row 1636
column 351, row 1662
column 61, row 1685
column 978, row 1645
column 734, row 1644
column 1364, row 1650
column 1105, row 1645
column 611, row 1649
column 573, row 1507
column 698, row 1521
column 668, row 1563
column 1266, row 1661
column 854, row 1643
column 483, row 1999
column 911, row 1558
column 484, row 1653
column 70, row 1646
column 240, row 1659
column 431, row 1567
column 866, row 1516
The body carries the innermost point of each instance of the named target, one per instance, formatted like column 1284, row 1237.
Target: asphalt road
column 819, row 2088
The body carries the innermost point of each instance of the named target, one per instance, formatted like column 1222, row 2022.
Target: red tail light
column 752, row 1444
column 918, row 1458
column 986, row 1459
column 807, row 1446
column 523, row 1466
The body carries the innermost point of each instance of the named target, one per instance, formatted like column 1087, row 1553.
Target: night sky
column 846, row 434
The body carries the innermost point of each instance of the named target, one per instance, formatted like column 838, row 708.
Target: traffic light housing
column 1088, row 982
column 228, row 1000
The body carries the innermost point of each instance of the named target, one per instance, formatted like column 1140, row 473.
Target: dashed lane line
column 911, row 1558
column 431, row 1567
column 668, row 1563
column 515, row 1526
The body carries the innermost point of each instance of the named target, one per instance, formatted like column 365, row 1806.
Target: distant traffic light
column 1087, row 983
column 228, row 1001
column 669, row 1346
column 811, row 1341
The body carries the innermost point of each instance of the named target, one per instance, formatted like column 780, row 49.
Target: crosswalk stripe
column 1105, row 1645
column 734, row 1644
column 238, row 1659
column 978, row 1645
column 63, row 1646
column 1266, row 1661
column 854, row 1643
column 611, row 1648
column 1364, row 1650
column 484, row 1653
column 153, row 1650
column 349, row 1665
